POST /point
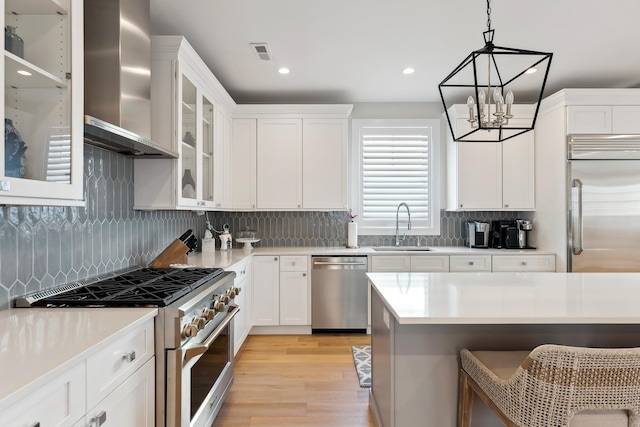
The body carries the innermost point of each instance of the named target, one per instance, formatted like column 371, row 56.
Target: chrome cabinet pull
column 99, row 419
column 36, row 424
column 130, row 357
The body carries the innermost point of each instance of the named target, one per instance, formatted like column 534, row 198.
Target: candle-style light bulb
column 470, row 105
column 482, row 99
column 509, row 99
column 509, row 102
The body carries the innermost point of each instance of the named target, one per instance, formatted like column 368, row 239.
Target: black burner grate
column 144, row 287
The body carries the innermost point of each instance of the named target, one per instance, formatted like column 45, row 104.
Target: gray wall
column 43, row 246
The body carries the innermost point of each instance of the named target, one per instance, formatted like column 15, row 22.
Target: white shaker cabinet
column 129, row 405
column 603, row 119
column 43, row 149
column 294, row 291
column 243, row 164
column 324, row 163
column 279, row 172
column 243, row 321
column 61, row 403
column 290, row 157
column 409, row 263
column 491, row 175
column 190, row 114
column 266, row 290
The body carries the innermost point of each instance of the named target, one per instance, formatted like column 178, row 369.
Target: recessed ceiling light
column 283, row 70
column 531, row 70
column 24, row 73
column 408, row 70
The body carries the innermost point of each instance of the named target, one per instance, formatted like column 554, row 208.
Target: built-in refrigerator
column 604, row 203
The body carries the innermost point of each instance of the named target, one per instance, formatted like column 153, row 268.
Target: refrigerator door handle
column 578, row 248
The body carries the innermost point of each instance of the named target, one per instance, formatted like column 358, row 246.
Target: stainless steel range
column 193, row 331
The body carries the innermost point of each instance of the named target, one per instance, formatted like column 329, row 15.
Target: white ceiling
column 352, row 51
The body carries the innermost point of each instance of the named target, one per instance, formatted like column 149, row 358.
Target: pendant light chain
column 489, row 15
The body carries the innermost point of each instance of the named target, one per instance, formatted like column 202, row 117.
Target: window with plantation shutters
column 396, row 164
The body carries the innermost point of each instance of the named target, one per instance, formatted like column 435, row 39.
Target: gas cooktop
column 138, row 287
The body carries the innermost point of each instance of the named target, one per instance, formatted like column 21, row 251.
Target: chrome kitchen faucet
column 408, row 222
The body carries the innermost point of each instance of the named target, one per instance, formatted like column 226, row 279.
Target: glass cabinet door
column 207, row 149
column 40, row 160
column 189, row 141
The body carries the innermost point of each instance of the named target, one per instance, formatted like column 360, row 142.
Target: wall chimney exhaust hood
column 117, row 80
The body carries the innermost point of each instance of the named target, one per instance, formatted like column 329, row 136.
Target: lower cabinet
column 113, row 387
column 280, row 291
column 130, row 404
column 462, row 263
column 243, row 321
column 61, row 403
column 524, row 263
column 266, row 290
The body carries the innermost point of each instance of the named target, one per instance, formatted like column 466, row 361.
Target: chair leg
column 465, row 400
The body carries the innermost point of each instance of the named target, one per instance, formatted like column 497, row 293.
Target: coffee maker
column 476, row 234
column 510, row 234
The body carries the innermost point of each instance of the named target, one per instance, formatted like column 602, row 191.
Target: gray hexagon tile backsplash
column 45, row 246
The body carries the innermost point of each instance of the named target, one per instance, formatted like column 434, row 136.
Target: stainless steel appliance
column 524, row 227
column 603, row 196
column 117, row 100
column 477, row 234
column 339, row 293
column 193, row 331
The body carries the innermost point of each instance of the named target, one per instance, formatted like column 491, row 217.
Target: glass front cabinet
column 43, row 91
column 185, row 112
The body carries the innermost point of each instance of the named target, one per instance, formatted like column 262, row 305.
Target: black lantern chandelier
column 483, row 89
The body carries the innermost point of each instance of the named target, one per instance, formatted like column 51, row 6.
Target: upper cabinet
column 496, row 176
column 603, row 119
column 43, row 92
column 291, row 157
column 190, row 112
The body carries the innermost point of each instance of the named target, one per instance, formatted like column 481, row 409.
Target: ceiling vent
column 262, row 51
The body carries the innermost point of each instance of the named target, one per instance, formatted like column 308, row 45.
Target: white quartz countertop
column 510, row 298
column 37, row 344
column 226, row 259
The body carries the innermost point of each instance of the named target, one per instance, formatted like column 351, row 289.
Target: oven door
column 199, row 375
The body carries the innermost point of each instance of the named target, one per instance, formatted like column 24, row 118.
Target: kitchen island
column 420, row 321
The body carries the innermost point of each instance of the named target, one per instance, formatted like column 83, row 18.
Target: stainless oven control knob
column 208, row 313
column 231, row 293
column 236, row 290
column 225, row 299
column 199, row 322
column 189, row 331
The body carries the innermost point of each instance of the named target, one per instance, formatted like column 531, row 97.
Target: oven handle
column 199, row 349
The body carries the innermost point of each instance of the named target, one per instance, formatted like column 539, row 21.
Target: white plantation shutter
column 397, row 165
column 58, row 161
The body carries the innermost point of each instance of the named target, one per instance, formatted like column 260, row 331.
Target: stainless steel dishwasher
column 339, row 292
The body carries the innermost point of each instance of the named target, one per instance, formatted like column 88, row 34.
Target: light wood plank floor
column 297, row 380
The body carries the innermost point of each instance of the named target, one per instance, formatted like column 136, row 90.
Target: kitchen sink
column 401, row 248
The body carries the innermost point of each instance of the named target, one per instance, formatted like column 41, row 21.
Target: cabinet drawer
column 131, row 404
column 60, row 403
column 430, row 263
column 524, row 263
column 293, row 263
column 111, row 366
column 470, row 263
column 241, row 271
column 390, row 263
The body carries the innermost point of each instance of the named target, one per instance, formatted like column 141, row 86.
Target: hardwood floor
column 297, row 380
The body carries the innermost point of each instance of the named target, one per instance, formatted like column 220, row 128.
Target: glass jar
column 12, row 42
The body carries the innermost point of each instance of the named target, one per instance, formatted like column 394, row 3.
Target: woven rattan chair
column 553, row 386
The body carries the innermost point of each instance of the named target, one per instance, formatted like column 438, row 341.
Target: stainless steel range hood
column 117, row 67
